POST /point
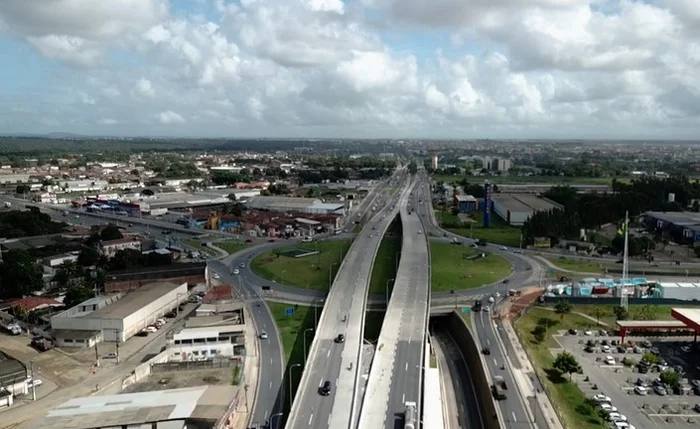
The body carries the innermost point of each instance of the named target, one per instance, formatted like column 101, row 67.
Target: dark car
column 340, row 338
column 486, row 351
column 325, row 389
column 170, row 314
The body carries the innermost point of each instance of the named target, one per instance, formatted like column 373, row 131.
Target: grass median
column 456, row 267
column 231, row 246
column 288, row 265
column 199, row 246
column 499, row 231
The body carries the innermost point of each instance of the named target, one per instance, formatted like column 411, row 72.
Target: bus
column 410, row 415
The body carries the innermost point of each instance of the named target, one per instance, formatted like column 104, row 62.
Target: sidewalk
column 251, row 368
column 525, row 378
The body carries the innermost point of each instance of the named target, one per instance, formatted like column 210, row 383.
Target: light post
column 387, row 291
column 305, row 332
column 291, row 381
column 330, row 276
column 279, row 415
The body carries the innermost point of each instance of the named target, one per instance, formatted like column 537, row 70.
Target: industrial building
column 191, row 407
column 301, row 205
column 684, row 225
column 218, row 330
column 682, row 291
column 118, row 318
column 516, row 209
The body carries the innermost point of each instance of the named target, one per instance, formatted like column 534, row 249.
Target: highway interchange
column 328, row 360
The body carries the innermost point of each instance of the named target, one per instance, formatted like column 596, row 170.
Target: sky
column 352, row 68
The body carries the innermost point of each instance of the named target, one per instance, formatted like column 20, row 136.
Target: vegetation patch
column 198, row 245
column 499, row 232
column 385, row 264
column 451, row 270
column 313, row 272
column 231, row 246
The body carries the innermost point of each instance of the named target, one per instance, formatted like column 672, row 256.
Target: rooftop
column 204, row 402
column 677, row 218
column 281, row 202
column 524, row 202
column 134, row 301
column 688, row 316
column 34, row 302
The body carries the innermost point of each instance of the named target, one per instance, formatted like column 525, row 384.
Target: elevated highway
column 397, row 368
column 344, row 313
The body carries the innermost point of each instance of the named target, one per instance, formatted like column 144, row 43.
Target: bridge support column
column 623, row 333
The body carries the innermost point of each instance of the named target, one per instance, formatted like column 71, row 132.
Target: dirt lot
column 180, row 379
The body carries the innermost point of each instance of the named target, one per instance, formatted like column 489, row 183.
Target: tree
column 651, row 358
column 20, row 274
column 65, row 273
column 22, row 189
column 566, row 363
column 412, row 167
column 77, row 294
column 670, row 378
column 125, row 259
column 88, row 256
column 597, row 312
column 111, row 232
column 562, row 308
column 539, row 332
column 621, row 313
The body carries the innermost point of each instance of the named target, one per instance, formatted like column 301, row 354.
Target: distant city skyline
column 442, row 69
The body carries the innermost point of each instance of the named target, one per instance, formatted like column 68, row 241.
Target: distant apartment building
column 499, row 164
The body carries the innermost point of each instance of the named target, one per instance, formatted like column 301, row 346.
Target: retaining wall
column 144, row 370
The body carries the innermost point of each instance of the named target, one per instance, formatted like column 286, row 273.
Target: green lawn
column 451, row 271
column 291, row 328
column 570, row 402
column 311, row 272
column 499, row 232
column 384, row 265
column 231, row 246
column 604, row 313
column 193, row 242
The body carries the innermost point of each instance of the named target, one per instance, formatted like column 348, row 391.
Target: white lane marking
column 515, row 419
column 270, row 385
column 329, row 419
column 329, row 354
column 488, row 341
column 270, row 361
column 311, row 417
column 406, row 367
column 403, row 399
column 495, row 363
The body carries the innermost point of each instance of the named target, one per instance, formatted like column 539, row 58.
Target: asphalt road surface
column 344, row 310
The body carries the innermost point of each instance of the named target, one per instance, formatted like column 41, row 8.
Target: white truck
column 409, row 418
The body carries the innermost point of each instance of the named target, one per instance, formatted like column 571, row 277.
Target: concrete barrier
column 459, row 330
column 144, row 370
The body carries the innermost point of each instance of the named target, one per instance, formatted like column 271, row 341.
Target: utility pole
column 31, row 372
column 624, row 302
column 117, row 338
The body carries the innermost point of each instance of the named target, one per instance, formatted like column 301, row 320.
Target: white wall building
column 206, row 342
column 111, row 247
column 119, row 320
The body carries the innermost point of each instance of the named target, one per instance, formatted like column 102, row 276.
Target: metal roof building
column 302, row 205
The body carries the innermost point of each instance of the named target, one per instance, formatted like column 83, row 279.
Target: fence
column 144, row 370
column 196, row 365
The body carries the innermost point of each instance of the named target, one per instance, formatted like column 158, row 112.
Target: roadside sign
column 466, row 310
column 289, row 311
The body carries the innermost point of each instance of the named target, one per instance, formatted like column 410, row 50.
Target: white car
column 216, row 276
column 602, row 398
column 623, row 425
column 641, row 390
column 609, row 360
column 605, row 349
column 609, row 408
column 617, row 417
column 236, row 271
column 35, row 383
column 263, row 335
column 151, row 329
column 588, row 333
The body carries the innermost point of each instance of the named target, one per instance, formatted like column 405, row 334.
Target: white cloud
column 334, row 68
column 169, row 117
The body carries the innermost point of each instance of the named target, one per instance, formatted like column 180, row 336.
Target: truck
column 42, row 344
column 8, row 204
column 499, row 388
column 481, row 242
column 409, row 418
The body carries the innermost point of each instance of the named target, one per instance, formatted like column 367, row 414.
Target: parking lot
column 618, row 381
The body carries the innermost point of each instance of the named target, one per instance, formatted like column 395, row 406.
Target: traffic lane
column 403, row 385
column 467, row 412
column 315, row 409
column 512, row 408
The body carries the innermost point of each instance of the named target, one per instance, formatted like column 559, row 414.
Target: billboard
column 487, row 205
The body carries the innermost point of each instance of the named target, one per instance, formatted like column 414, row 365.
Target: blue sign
column 289, row 311
column 487, row 205
column 466, row 310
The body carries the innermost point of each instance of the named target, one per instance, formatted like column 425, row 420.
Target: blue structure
column 487, row 205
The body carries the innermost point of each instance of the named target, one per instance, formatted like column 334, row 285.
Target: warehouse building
column 85, row 325
column 516, row 209
column 682, row 225
column 190, row 407
column 292, row 204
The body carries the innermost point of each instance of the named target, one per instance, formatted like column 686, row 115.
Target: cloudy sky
column 352, row 68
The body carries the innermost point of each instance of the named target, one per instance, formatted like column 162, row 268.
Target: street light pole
column 305, row 331
column 291, row 381
column 387, row 291
column 273, row 416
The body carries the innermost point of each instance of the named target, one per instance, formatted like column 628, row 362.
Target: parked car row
column 611, row 413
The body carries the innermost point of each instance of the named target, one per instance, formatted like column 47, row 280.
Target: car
column 249, row 240
column 110, row 355
column 325, row 388
column 588, row 333
column 33, row 383
column 617, row 417
column 217, row 276
column 589, row 349
column 486, row 351
column 171, row 314
column 605, row 349
column 340, row 338
column 272, row 240
column 660, row 390
column 151, row 329
column 161, row 321
column 697, row 408
column 654, row 350
column 686, row 349
column 573, row 331
column 641, row 390
column 142, row 333
column 166, row 232
column 600, row 398
column 609, row 360
column 622, row 425
column 641, row 382
column 242, row 265
column 607, row 407
column 236, row 272
column 504, row 248
column 263, row 335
